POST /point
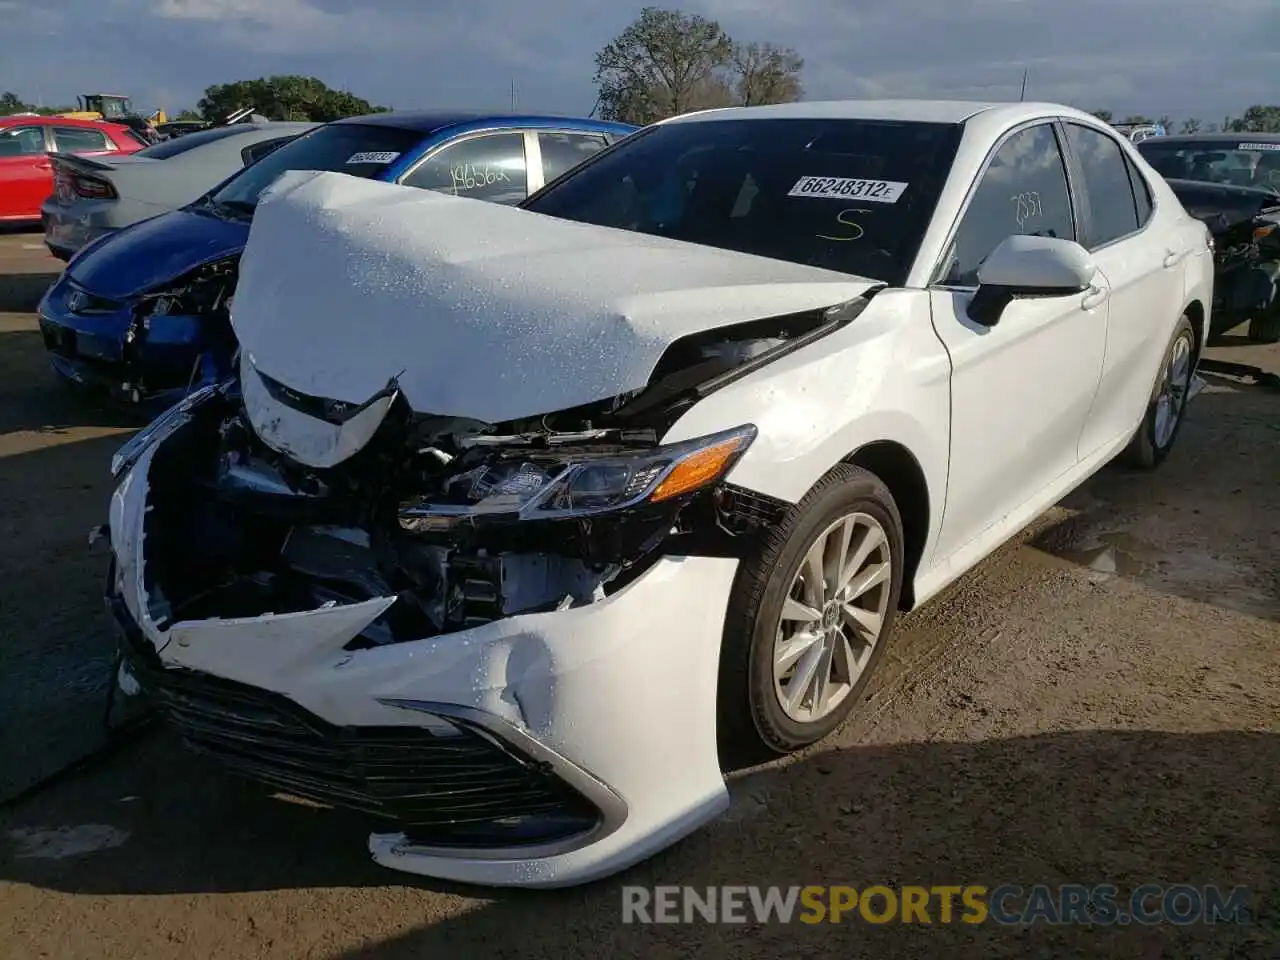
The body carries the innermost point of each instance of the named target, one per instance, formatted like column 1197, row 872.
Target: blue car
column 143, row 312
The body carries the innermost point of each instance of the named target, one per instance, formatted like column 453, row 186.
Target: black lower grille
column 452, row 785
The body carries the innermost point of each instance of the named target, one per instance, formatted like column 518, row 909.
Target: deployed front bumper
column 543, row 749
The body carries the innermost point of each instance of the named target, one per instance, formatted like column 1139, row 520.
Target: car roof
column 905, row 110
column 429, row 121
column 60, row 121
column 1217, row 138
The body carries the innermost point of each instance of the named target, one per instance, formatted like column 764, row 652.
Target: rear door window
column 564, row 151
column 489, row 167
column 1022, row 193
column 1113, row 213
column 78, row 140
column 1141, row 192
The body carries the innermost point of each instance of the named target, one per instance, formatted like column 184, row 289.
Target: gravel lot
column 1099, row 702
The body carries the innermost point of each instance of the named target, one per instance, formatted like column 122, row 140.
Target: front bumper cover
column 612, row 703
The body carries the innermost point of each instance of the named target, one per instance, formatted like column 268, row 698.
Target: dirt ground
column 1099, row 702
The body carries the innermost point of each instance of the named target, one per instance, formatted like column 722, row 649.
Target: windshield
column 352, row 148
column 171, row 148
column 1237, row 162
column 847, row 195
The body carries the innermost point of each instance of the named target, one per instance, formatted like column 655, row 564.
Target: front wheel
column 809, row 616
column 1163, row 419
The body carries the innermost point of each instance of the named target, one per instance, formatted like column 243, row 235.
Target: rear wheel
column 809, row 616
column 1163, row 419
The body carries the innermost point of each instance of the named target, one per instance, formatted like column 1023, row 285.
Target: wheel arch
column 1199, row 324
column 900, row 471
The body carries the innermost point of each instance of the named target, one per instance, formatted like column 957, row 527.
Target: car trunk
column 78, row 178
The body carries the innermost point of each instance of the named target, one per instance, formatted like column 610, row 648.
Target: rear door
column 1142, row 263
column 25, row 172
column 491, row 166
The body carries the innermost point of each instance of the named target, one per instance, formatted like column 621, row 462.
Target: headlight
column 585, row 487
column 163, row 427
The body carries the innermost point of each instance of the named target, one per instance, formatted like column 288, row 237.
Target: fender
column 885, row 376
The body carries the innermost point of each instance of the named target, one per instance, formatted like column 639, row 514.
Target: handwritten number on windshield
column 844, row 218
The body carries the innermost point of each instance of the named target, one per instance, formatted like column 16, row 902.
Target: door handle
column 1095, row 297
column 1172, row 257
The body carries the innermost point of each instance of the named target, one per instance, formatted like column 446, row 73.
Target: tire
column 753, row 719
column 1156, row 435
column 1265, row 328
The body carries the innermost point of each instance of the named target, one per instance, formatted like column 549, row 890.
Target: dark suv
column 1231, row 182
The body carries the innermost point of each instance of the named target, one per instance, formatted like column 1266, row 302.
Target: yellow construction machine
column 113, row 107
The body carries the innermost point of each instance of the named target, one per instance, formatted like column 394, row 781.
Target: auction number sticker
column 1259, row 146
column 372, row 157
column 848, row 188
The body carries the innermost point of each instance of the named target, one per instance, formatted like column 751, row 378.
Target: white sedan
column 515, row 519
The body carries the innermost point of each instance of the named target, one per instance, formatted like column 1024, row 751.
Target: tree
column 284, row 98
column 660, row 65
column 1257, row 119
column 668, row 62
column 1166, row 121
column 1191, row 125
column 10, row 104
column 764, row 73
column 188, row 114
column 1103, row 115
column 1137, row 119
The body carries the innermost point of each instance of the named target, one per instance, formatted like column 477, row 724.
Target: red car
column 26, row 179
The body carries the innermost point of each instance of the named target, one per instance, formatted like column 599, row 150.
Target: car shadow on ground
column 1205, row 526
column 33, row 399
column 21, row 292
column 1126, row 808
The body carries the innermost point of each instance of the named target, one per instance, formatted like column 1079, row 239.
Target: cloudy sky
column 1176, row 57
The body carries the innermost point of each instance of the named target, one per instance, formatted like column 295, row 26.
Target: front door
column 1020, row 390
column 26, row 177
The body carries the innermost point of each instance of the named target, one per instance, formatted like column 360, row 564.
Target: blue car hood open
column 143, row 256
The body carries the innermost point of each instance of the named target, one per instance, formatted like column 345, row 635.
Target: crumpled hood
column 481, row 310
column 140, row 257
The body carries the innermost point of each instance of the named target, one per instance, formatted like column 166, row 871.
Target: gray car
column 94, row 196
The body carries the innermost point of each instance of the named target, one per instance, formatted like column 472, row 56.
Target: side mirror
column 1022, row 266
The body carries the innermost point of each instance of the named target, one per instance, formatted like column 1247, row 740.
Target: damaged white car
column 518, row 516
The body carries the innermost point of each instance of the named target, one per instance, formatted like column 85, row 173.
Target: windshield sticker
column 1259, row 146
column 848, row 188
column 372, row 157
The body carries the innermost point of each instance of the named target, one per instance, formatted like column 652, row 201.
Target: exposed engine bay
column 205, row 294
column 463, row 522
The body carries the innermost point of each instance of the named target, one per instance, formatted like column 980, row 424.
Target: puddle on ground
column 1106, row 555
column 1192, row 571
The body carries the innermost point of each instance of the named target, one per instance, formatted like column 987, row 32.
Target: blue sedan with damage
column 143, row 312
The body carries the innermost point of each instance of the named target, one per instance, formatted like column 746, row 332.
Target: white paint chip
column 62, row 842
